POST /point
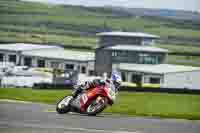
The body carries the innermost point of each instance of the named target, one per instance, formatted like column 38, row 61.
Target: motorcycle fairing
column 88, row 97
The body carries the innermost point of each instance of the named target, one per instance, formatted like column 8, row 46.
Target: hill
column 77, row 25
column 180, row 15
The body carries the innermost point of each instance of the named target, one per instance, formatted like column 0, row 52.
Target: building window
column 114, row 54
column 55, row 65
column 148, row 59
column 123, row 74
column 1, row 57
column 147, row 41
column 83, row 69
column 69, row 66
column 137, row 79
column 41, row 63
column 91, row 73
column 28, row 61
column 12, row 58
column 154, row 80
column 137, row 41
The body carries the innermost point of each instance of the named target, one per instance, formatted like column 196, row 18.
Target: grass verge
column 137, row 104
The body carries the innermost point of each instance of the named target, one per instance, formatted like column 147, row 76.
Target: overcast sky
column 193, row 5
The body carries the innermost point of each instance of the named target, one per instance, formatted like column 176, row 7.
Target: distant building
column 125, row 38
column 126, row 47
column 12, row 52
column 34, row 55
column 68, row 60
column 166, row 75
column 134, row 55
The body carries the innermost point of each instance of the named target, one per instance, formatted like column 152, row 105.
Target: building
column 134, row 55
column 12, row 52
column 68, row 60
column 126, row 47
column 126, row 38
column 168, row 76
column 35, row 55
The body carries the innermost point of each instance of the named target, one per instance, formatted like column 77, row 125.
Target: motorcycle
column 90, row 102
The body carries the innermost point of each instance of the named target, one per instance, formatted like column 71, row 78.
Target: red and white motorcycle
column 90, row 102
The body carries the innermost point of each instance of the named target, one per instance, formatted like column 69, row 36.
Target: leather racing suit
column 88, row 85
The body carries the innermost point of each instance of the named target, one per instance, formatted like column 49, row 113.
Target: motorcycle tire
column 63, row 109
column 100, row 108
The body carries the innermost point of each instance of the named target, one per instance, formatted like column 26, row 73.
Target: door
column 28, row 61
column 137, row 79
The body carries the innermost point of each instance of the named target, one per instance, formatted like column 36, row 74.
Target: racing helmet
column 116, row 79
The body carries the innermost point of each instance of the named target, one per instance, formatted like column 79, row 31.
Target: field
column 187, row 60
column 137, row 104
column 180, row 48
column 184, row 60
column 75, row 41
column 77, row 25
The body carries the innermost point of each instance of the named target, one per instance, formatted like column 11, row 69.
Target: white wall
column 146, row 78
column 6, row 56
column 189, row 80
column 88, row 65
column 21, row 81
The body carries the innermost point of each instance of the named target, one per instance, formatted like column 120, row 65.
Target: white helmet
column 116, row 78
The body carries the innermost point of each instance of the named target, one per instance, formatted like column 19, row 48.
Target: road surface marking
column 50, row 110
column 15, row 101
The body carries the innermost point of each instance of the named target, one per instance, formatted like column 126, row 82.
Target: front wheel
column 63, row 106
column 97, row 106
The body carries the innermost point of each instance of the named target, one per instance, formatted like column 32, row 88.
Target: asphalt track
column 41, row 118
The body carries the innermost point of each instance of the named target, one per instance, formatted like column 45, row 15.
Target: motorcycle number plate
column 84, row 98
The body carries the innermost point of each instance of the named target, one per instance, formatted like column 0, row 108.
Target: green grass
column 184, row 48
column 27, row 94
column 172, row 31
column 49, row 39
column 180, row 59
column 187, row 60
column 183, row 60
column 58, row 21
column 157, row 104
column 137, row 104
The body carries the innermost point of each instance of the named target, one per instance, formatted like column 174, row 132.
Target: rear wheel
column 63, row 105
column 97, row 106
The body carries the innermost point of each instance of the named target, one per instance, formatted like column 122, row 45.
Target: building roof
column 128, row 34
column 25, row 47
column 137, row 48
column 157, row 69
column 62, row 54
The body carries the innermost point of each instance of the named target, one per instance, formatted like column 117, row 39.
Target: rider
column 115, row 80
